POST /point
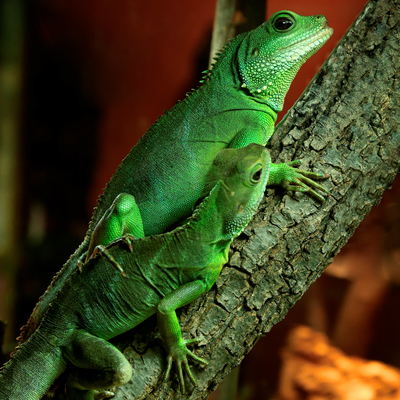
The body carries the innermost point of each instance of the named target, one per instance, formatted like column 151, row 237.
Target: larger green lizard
column 164, row 272
column 237, row 104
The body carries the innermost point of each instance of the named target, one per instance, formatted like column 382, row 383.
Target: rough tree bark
column 345, row 124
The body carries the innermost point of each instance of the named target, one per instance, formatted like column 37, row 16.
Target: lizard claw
column 81, row 261
column 103, row 394
column 102, row 251
column 292, row 179
column 127, row 239
column 80, row 264
column 91, row 394
column 179, row 354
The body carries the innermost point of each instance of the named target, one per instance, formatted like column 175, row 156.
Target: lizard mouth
column 313, row 42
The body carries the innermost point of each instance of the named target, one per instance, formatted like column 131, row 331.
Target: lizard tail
column 31, row 370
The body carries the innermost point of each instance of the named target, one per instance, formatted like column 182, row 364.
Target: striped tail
column 31, row 370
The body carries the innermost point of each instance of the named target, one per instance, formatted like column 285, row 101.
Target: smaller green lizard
column 162, row 273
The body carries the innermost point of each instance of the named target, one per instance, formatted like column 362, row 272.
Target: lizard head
column 270, row 56
column 240, row 177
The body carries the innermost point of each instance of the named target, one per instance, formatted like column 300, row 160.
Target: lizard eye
column 283, row 24
column 255, row 178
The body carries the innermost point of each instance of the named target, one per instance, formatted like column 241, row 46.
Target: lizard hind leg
column 98, row 366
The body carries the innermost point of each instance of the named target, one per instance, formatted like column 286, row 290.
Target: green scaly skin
column 236, row 104
column 163, row 272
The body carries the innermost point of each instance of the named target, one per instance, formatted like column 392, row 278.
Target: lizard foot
column 179, row 354
column 101, row 250
column 126, row 239
column 75, row 394
column 292, row 179
column 103, row 394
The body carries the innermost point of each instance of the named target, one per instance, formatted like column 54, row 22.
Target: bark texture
column 346, row 124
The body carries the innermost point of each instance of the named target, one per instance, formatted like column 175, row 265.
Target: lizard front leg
column 122, row 218
column 170, row 330
column 290, row 178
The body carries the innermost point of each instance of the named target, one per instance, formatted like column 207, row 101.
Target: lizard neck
column 225, row 75
column 208, row 223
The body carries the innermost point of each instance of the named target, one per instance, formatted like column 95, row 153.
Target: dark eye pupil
column 283, row 23
column 257, row 176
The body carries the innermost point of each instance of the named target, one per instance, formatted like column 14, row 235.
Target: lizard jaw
column 302, row 49
column 295, row 53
